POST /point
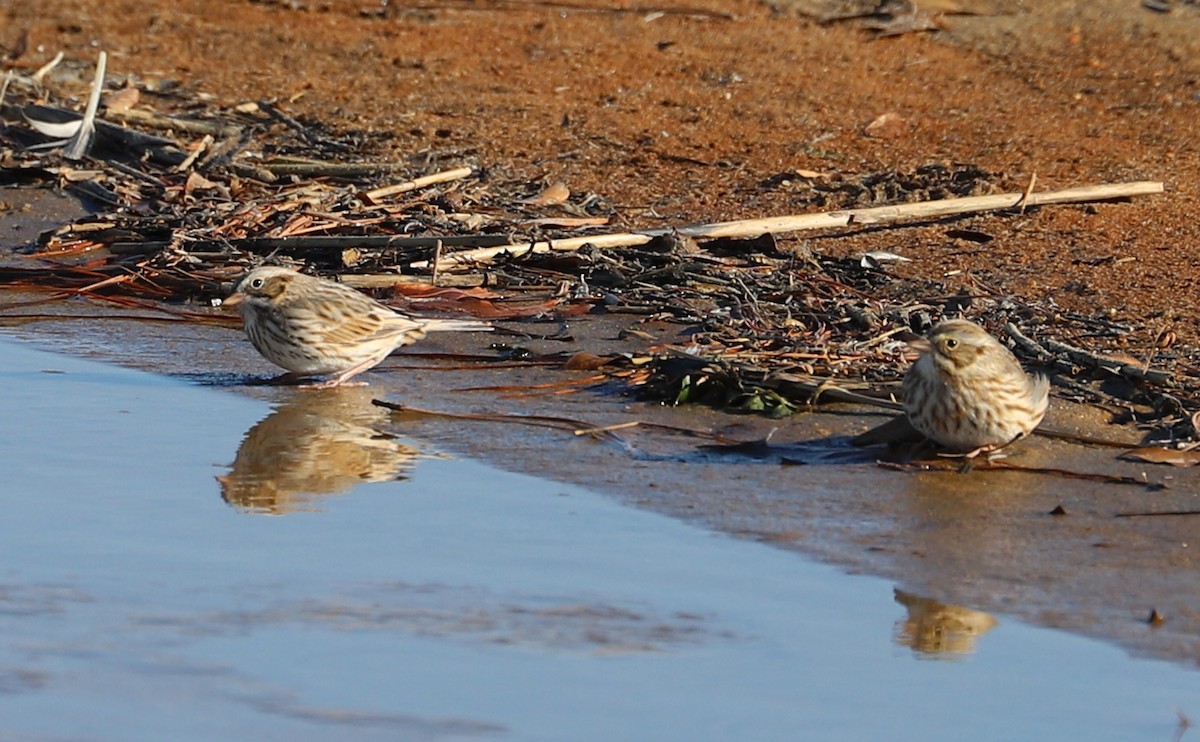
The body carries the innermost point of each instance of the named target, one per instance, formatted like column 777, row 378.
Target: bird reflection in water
column 324, row 442
column 939, row 630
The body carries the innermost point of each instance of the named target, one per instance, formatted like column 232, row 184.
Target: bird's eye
column 951, row 343
column 256, row 283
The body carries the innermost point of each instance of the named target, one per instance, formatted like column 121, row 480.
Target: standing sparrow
column 968, row 393
column 317, row 327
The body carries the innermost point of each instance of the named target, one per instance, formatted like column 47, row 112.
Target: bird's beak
column 920, row 345
column 233, row 299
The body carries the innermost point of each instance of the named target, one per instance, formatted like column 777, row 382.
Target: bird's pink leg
column 343, row 378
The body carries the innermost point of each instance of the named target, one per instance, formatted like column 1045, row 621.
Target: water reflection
column 940, row 630
column 322, row 442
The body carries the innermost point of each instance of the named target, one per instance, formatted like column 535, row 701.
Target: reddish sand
column 683, row 117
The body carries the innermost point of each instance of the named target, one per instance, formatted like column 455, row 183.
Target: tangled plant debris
column 187, row 193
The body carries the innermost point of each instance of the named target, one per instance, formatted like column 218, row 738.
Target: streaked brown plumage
column 317, row 327
column 968, row 393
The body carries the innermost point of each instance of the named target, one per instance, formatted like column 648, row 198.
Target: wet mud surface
column 692, row 118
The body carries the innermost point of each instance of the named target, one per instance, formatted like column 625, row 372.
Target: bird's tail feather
column 456, row 325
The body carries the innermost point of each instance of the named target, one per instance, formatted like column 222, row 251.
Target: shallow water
column 458, row 602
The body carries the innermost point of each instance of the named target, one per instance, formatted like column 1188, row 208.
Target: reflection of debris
column 938, row 629
column 1181, row 728
column 22, row 680
column 474, row 615
column 39, row 600
column 404, row 726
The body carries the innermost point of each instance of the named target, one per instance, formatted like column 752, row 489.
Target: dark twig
column 541, row 421
column 1112, row 365
column 1001, row 465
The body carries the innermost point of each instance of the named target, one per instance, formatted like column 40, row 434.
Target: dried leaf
column 555, row 194
column 72, row 175
column 1156, row 455
column 886, row 126
column 566, row 221
column 474, row 222
column 426, row 290
column 631, row 332
column 197, row 182
column 122, row 100
column 875, row 257
column 585, row 361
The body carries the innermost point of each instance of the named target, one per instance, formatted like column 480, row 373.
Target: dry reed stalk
column 412, row 185
column 824, row 220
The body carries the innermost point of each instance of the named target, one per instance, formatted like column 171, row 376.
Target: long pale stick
column 826, row 220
